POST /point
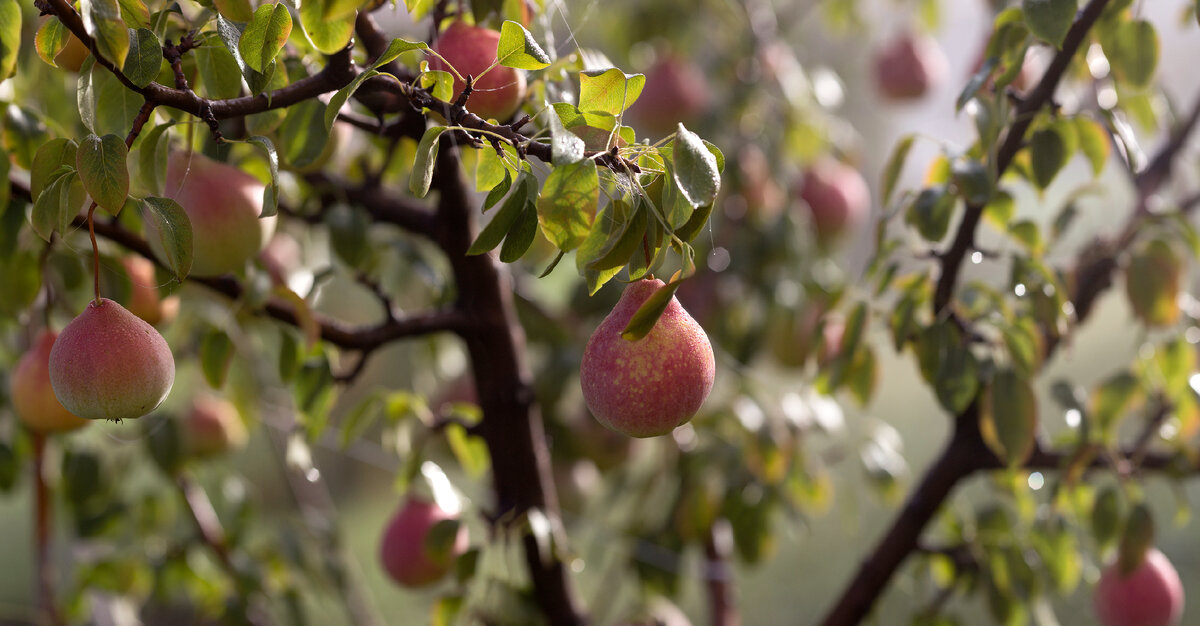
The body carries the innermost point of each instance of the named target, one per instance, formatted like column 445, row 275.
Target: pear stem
column 44, row 571
column 91, row 219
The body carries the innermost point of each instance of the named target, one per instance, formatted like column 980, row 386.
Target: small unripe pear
column 471, row 50
column 212, row 427
column 33, row 397
column 110, row 364
column 647, row 387
column 1151, row 595
column 908, row 67
column 837, row 196
column 407, row 553
column 223, row 204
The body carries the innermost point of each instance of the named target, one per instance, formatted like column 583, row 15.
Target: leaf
column 146, row 58
column 102, row 166
column 52, row 37
column 522, row 234
column 1048, row 154
column 1135, row 540
column 565, row 146
column 1049, row 20
column 396, row 48
column 495, row 230
column 102, row 20
column 1114, row 397
column 49, row 158
column 174, row 232
column 1008, row 417
column 1094, row 142
column 106, row 104
column 930, row 213
column 10, row 37
column 135, row 13
column 219, row 72
column 1134, row 53
column 568, row 202
column 303, row 133
column 647, row 315
column 695, row 168
column 152, row 157
column 343, row 94
column 422, row 169
column 325, row 34
column 265, row 35
column 216, row 354
column 271, row 192
column 1106, row 517
column 234, row 10
column 49, row 208
column 518, row 49
column 471, row 452
column 609, row 91
column 895, row 165
column 1152, row 283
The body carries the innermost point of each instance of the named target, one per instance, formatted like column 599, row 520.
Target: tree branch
column 964, row 238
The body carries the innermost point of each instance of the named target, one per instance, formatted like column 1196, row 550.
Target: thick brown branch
column 964, row 238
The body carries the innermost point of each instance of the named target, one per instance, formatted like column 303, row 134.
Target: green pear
column 647, row 387
column 110, row 364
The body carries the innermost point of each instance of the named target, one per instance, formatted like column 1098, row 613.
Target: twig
column 43, row 530
column 718, row 577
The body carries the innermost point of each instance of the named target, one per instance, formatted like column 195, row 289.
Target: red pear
column 407, row 553
column 647, row 387
column 212, row 426
column 909, row 66
column 144, row 300
column 33, row 397
column 837, row 196
column 110, row 364
column 1151, row 595
column 223, row 204
column 675, row 91
column 471, row 50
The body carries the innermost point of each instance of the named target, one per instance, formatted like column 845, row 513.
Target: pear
column 223, row 204
column 647, row 387
column 471, row 50
column 412, row 552
column 33, row 397
column 1150, row 595
column 212, row 427
column 110, row 364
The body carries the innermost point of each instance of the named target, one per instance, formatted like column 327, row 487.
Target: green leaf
column 1152, row 283
column 609, row 91
column 502, row 221
column 49, row 158
column 396, row 48
column 52, row 37
column 135, row 13
column 271, row 192
column 1008, row 417
column 342, row 95
column 1049, row 20
column 471, row 451
column 565, row 146
column 895, row 165
column 216, row 354
column 647, row 315
column 1113, row 398
column 518, row 49
column 422, row 170
column 1048, row 152
column 10, row 37
column 973, row 181
column 1093, row 141
column 265, row 35
column 106, row 104
column 1106, row 517
column 325, row 34
column 102, row 20
column 1028, row 233
column 102, row 166
column 490, row 172
column 234, row 10
column 1137, row 537
column 173, row 230
column 628, row 242
column 695, row 168
column 142, row 66
column 1134, row 53
column 152, row 157
column 930, row 213
column 568, row 202
column 522, row 234
column 303, row 133
column 49, row 208
column 219, row 72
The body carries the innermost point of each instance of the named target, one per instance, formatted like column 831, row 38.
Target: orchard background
column 958, row 410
